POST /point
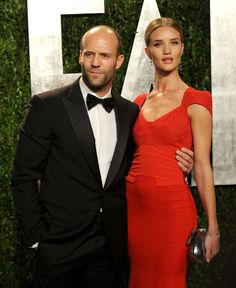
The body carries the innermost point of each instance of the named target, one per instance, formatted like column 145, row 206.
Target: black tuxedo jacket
column 57, row 146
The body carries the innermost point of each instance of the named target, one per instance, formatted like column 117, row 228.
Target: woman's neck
column 170, row 83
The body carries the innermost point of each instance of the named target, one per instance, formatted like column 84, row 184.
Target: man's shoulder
column 57, row 92
column 124, row 101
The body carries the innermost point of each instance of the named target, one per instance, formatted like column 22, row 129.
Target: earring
column 180, row 67
column 151, row 63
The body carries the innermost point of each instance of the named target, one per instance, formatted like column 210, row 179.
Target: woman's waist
column 159, row 163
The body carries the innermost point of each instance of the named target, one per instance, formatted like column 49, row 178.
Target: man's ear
column 119, row 61
column 80, row 57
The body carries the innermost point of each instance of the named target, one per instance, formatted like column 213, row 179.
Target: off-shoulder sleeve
column 203, row 98
column 139, row 100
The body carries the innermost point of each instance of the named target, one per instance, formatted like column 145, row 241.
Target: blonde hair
column 162, row 22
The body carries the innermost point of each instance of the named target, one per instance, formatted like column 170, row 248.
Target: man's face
column 99, row 60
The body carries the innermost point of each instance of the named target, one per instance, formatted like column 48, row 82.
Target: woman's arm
column 201, row 123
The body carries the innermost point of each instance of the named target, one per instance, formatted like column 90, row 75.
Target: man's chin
column 94, row 85
column 95, row 88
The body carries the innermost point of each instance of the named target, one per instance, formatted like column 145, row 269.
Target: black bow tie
column 107, row 103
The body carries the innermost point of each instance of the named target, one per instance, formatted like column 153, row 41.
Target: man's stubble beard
column 95, row 87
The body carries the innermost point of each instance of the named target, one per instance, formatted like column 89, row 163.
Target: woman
column 161, row 209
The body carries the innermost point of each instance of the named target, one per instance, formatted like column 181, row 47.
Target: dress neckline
column 165, row 114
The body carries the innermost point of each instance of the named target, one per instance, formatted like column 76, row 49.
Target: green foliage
column 194, row 17
column 121, row 15
column 14, row 94
column 220, row 273
column 16, row 261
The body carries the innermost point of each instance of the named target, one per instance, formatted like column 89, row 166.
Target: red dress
column 161, row 209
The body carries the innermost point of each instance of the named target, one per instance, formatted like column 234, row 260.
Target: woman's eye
column 157, row 44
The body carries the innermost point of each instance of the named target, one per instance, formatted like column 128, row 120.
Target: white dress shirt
column 104, row 131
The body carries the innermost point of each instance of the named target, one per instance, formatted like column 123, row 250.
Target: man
column 80, row 152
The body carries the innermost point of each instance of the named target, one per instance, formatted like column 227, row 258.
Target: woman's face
column 165, row 49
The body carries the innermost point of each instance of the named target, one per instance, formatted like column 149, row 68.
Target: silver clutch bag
column 196, row 243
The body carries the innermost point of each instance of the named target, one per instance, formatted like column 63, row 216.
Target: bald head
column 112, row 34
column 100, row 57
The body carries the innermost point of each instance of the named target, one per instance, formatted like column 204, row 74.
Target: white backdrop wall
column 223, row 70
column 47, row 65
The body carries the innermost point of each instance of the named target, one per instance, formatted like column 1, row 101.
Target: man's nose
column 95, row 61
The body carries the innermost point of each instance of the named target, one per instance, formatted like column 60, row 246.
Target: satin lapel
column 78, row 115
column 122, row 137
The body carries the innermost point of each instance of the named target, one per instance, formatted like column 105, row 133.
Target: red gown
column 161, row 209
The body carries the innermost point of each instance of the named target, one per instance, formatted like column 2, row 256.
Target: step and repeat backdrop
column 46, row 62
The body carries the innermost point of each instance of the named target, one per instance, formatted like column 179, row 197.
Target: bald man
column 77, row 140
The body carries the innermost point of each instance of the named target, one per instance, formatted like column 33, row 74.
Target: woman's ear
column 148, row 53
column 182, row 49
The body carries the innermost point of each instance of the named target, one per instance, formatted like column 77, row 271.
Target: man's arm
column 29, row 165
column 185, row 158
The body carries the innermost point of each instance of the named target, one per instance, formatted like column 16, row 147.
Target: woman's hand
column 212, row 244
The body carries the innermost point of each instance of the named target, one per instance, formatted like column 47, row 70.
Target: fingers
column 185, row 154
column 212, row 248
column 184, row 162
column 210, row 255
column 183, row 166
column 184, row 157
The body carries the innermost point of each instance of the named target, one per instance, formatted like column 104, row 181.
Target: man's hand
column 185, row 158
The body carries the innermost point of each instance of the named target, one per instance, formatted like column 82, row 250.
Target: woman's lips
column 167, row 60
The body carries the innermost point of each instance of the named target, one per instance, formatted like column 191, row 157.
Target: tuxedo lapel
column 75, row 107
column 122, row 136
